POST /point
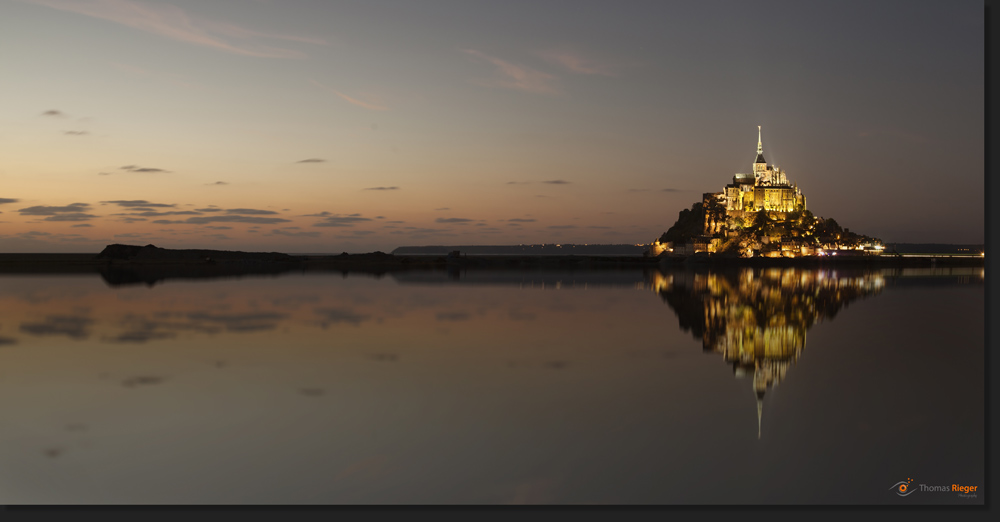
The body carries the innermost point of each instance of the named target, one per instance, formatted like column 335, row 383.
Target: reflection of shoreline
column 758, row 319
column 210, row 261
column 545, row 279
column 546, row 272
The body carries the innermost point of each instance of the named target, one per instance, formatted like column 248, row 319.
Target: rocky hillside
column 761, row 231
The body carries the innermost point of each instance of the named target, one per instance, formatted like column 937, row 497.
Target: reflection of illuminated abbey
column 757, row 319
column 766, row 189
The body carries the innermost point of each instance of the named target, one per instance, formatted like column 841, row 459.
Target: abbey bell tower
column 759, row 165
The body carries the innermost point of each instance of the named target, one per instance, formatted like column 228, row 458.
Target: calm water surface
column 780, row 386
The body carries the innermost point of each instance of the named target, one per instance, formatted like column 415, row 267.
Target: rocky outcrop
column 121, row 252
column 153, row 254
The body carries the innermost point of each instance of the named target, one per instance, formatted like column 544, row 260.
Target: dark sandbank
column 131, row 264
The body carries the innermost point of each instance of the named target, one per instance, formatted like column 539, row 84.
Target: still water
column 765, row 386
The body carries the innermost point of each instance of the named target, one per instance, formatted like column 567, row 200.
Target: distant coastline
column 544, row 249
column 151, row 259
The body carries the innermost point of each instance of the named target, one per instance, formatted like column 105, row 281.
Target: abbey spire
column 760, row 148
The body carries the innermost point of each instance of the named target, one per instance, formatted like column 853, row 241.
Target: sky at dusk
column 327, row 126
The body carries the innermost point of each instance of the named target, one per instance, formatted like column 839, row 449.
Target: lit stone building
column 767, row 188
column 759, row 214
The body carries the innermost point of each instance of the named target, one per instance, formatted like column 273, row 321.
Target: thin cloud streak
column 172, row 22
column 354, row 101
column 138, row 203
column 250, row 211
column 136, row 168
column 576, row 63
column 73, row 208
column 516, row 76
column 203, row 220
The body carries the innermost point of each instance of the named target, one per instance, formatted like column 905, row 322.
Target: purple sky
column 314, row 126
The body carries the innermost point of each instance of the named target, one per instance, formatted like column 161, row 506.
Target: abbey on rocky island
column 758, row 214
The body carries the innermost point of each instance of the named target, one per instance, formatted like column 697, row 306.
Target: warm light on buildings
column 788, row 229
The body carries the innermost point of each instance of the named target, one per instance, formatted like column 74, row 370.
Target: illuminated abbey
column 767, row 188
column 759, row 214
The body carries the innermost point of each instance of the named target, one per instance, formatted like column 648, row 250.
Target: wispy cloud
column 218, row 183
column 136, row 168
column 513, row 76
column 202, row 220
column 520, row 220
column 337, row 220
column 453, row 220
column 250, row 211
column 71, row 212
column 360, row 103
column 76, row 133
column 151, row 213
column 557, row 182
column 172, row 22
column 577, row 63
column 142, row 203
column 382, row 188
column 8, row 200
column 518, row 182
column 371, row 104
column 72, row 216
column 311, row 160
column 54, row 113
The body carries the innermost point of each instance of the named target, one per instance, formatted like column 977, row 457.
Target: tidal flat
column 692, row 385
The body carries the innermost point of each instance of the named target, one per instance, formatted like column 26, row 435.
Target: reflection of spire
column 760, row 410
column 757, row 319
